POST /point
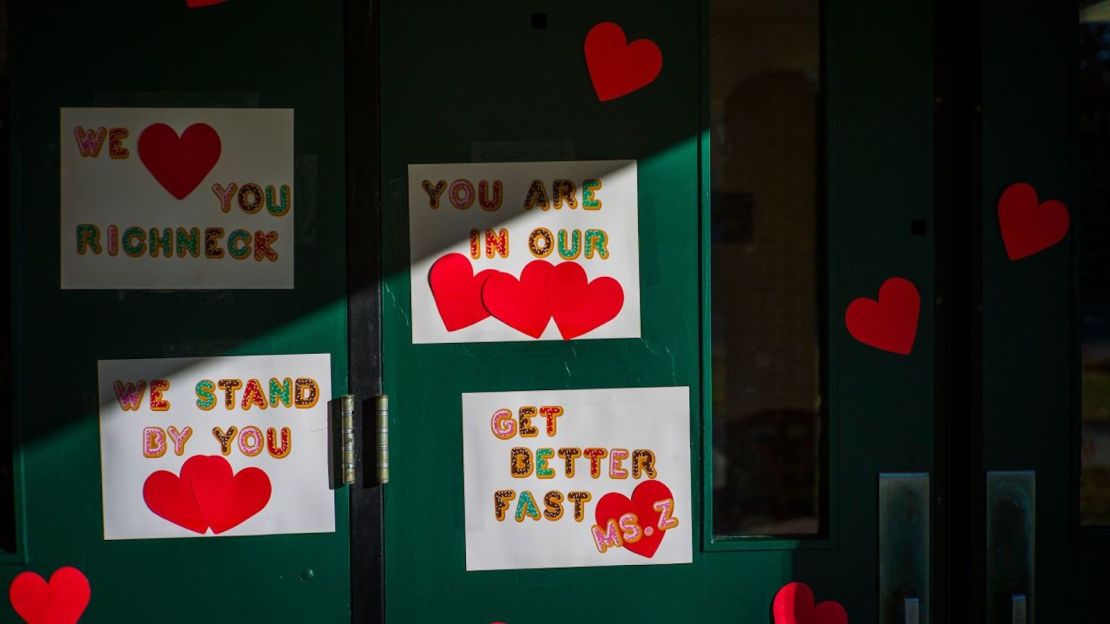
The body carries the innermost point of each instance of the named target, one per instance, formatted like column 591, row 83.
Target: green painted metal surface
column 1031, row 359
column 138, row 53
column 460, row 80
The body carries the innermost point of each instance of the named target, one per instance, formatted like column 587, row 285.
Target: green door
column 784, row 170
column 164, row 54
column 1044, row 399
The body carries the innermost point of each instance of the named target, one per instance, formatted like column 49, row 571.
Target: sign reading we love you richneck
column 176, row 198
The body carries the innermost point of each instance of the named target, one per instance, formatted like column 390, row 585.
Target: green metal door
column 164, row 54
column 1044, row 313
column 468, row 82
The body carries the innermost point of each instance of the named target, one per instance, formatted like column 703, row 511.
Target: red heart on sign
column 457, row 291
column 579, row 306
column 520, row 304
column 225, row 500
column 1028, row 225
column 171, row 497
column 890, row 323
column 207, row 495
column 179, row 164
column 62, row 601
column 617, row 67
column 794, row 604
column 614, row 505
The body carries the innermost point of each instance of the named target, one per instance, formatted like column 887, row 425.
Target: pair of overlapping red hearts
column 543, row 292
column 1028, row 226
column 207, row 494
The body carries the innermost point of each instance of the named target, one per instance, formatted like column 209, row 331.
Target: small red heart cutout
column 1027, row 224
column 62, row 601
column 225, row 500
column 794, row 604
column 196, row 4
column 617, row 67
column 179, row 164
column 614, row 505
column 171, row 497
column 520, row 304
column 457, row 291
column 889, row 324
column 579, row 306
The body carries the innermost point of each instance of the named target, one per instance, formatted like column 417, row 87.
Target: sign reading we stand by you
column 524, row 251
column 193, row 447
column 176, row 198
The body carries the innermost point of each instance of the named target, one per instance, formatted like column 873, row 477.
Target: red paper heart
column 617, row 67
column 196, row 4
column 225, row 500
column 890, row 323
column 62, row 601
column 207, row 495
column 613, row 505
column 172, row 498
column 579, row 306
column 520, row 304
column 179, row 164
column 1028, row 225
column 794, row 605
column 457, row 291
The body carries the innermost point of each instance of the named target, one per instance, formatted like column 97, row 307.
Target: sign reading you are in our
column 524, row 251
column 176, row 198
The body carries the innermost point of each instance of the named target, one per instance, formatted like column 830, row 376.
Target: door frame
column 360, row 29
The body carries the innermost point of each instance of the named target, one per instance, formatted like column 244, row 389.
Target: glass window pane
column 1094, row 247
column 767, row 416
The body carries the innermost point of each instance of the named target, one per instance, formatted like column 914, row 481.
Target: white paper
column 436, row 232
column 657, row 419
column 300, row 502
column 256, row 147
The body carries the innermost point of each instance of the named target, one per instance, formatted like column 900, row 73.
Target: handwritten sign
column 524, row 251
column 195, row 447
column 176, row 198
column 568, row 478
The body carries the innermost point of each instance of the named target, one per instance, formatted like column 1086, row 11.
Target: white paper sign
column 524, row 251
column 195, row 447
column 176, row 198
column 568, row 478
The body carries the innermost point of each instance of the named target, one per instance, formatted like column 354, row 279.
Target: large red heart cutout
column 617, row 67
column 457, row 291
column 889, row 324
column 179, row 164
column 62, row 601
column 614, row 505
column 579, row 306
column 520, row 304
column 171, row 497
column 208, row 494
column 794, row 604
column 226, row 500
column 1027, row 224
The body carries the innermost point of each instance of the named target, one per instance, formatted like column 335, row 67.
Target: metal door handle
column 1011, row 546
column 1018, row 609
column 904, row 510
column 911, row 610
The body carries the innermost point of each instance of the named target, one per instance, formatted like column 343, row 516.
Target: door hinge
column 381, row 428
column 341, row 434
column 344, row 458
